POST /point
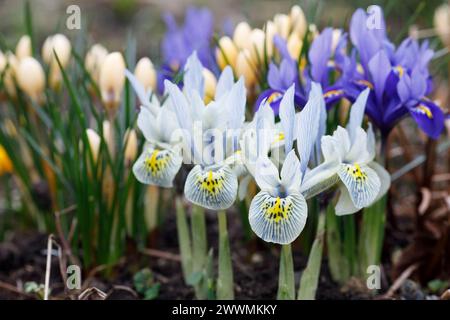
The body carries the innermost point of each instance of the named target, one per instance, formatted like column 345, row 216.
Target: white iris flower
column 349, row 157
column 278, row 212
column 161, row 158
column 211, row 134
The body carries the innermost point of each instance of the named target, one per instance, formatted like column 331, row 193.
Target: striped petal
column 157, row 166
column 278, row 220
column 362, row 183
column 214, row 189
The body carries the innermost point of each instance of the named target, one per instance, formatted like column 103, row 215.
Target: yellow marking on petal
column 365, row 83
column 6, row 165
column 274, row 97
column 277, row 210
column 211, row 183
column 332, row 93
column 399, row 70
column 421, row 108
column 157, row 162
column 356, row 172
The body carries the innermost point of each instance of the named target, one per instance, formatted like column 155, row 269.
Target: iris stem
column 286, row 280
column 225, row 275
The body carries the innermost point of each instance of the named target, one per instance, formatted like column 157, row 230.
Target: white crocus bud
column 23, row 48
column 241, row 35
column 56, row 46
column 210, row 85
column 335, row 39
column 112, row 80
column 31, row 78
column 146, row 74
column 131, row 146
column 294, row 46
column 94, row 143
column 245, row 67
column 283, row 25
column 94, row 59
column 442, row 23
column 298, row 21
column 226, row 53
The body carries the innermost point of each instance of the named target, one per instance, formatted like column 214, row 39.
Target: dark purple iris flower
column 180, row 41
column 399, row 78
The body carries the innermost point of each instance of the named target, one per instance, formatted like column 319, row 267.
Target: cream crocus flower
column 209, row 86
column 246, row 68
column 94, row 59
column 54, row 46
column 131, row 146
column 31, row 78
column 8, row 68
column 298, row 21
column 283, row 25
column 442, row 23
column 23, row 48
column 241, row 35
column 226, row 53
column 94, row 141
column 146, row 74
column 112, row 80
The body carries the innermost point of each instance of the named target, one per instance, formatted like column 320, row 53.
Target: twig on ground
column 401, row 279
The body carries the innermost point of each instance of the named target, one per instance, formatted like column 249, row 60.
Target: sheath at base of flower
column 211, row 183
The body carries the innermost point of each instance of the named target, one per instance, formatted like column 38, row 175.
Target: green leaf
column 194, row 278
column 143, row 280
column 225, row 283
column 152, row 293
column 310, row 276
column 184, row 239
column 286, row 280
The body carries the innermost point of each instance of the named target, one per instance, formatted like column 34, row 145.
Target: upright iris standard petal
column 276, row 219
column 157, row 166
column 211, row 188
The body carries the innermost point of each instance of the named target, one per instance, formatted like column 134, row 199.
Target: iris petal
column 214, row 189
column 157, row 167
column 362, row 183
column 278, row 220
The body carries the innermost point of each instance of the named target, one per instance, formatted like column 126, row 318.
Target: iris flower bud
column 146, row 74
column 23, row 48
column 31, row 78
column 112, row 80
column 226, row 53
